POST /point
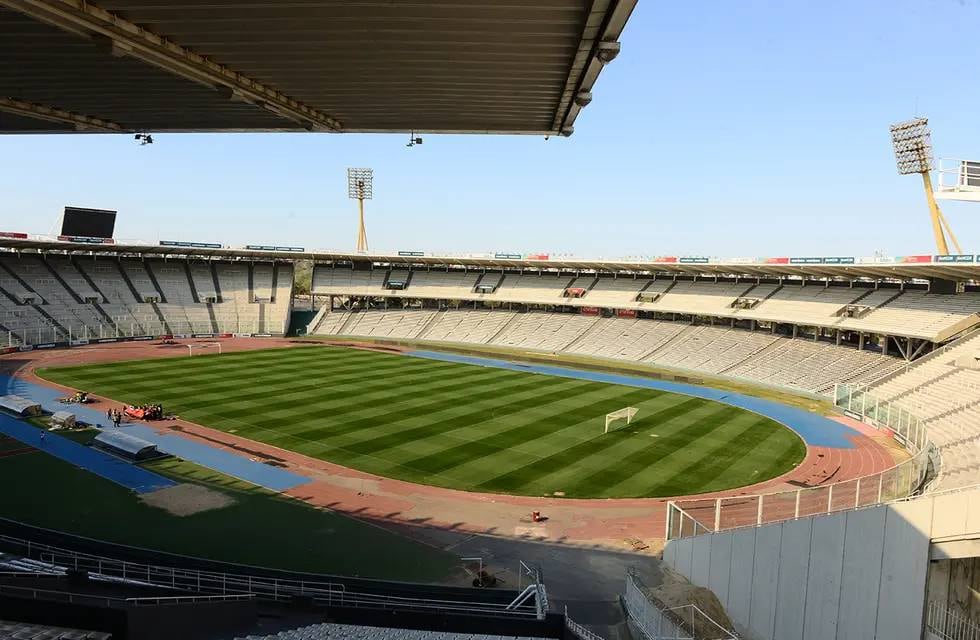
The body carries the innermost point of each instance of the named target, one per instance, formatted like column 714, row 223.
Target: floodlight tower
column 360, row 187
column 913, row 154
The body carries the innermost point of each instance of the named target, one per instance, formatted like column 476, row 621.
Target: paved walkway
column 102, row 464
column 260, row 472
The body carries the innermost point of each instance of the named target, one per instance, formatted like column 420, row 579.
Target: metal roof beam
column 127, row 38
column 52, row 114
column 598, row 47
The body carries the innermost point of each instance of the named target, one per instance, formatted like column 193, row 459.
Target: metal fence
column 658, row 622
column 703, row 515
column 578, row 630
column 124, row 327
column 944, row 624
column 260, row 587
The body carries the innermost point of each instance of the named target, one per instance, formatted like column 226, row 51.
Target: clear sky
column 724, row 128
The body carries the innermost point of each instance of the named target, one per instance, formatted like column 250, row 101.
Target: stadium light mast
column 913, row 154
column 360, row 187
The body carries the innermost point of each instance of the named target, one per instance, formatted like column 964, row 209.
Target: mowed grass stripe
column 586, row 430
column 274, row 378
column 666, row 461
column 445, row 459
column 347, row 430
column 330, row 388
column 441, row 411
column 439, row 426
column 458, row 425
column 529, row 474
column 689, row 424
column 710, row 464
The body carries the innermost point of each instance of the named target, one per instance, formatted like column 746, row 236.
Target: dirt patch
column 677, row 591
column 187, row 499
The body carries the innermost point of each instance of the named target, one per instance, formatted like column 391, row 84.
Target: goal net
column 622, row 414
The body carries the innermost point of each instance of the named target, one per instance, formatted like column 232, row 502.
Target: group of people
column 145, row 411
column 115, row 416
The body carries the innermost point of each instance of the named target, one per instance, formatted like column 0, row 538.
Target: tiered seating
column 58, row 302
column 135, row 271
column 329, row 631
column 262, row 282
column 72, row 277
column 657, row 286
column 545, row 331
column 467, row 326
column 63, row 292
column 128, row 313
column 443, row 285
column 813, row 366
column 182, row 313
column 614, row 292
column 284, row 285
column 544, row 289
column 701, row 298
column 203, row 280
column 28, row 631
column 347, row 282
column 388, row 324
column 804, row 305
column 946, row 396
column 625, row 338
column 331, row 323
column 711, row 349
column 918, row 313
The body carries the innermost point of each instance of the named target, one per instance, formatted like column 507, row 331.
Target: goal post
column 626, row 414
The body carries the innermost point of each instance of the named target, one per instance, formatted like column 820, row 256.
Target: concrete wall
column 854, row 574
column 955, row 584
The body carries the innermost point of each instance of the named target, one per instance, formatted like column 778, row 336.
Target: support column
column 861, row 341
column 837, row 339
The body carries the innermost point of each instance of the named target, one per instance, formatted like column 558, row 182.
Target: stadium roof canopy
column 968, row 272
column 479, row 66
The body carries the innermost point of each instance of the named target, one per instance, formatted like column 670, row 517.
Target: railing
column 261, row 587
column 659, row 622
column 109, row 601
column 578, row 630
column 703, row 515
column 946, row 625
column 44, row 332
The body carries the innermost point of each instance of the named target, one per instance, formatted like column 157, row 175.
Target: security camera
column 607, row 51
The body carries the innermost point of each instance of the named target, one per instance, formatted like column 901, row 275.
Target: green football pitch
column 458, row 425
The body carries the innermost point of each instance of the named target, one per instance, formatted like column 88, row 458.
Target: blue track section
column 205, row 455
column 815, row 430
column 101, row 464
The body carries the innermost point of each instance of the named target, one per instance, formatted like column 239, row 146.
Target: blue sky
column 724, row 128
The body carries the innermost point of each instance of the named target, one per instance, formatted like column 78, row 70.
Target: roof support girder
column 127, row 38
column 81, row 123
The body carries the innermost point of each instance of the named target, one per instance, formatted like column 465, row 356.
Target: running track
column 608, row 523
